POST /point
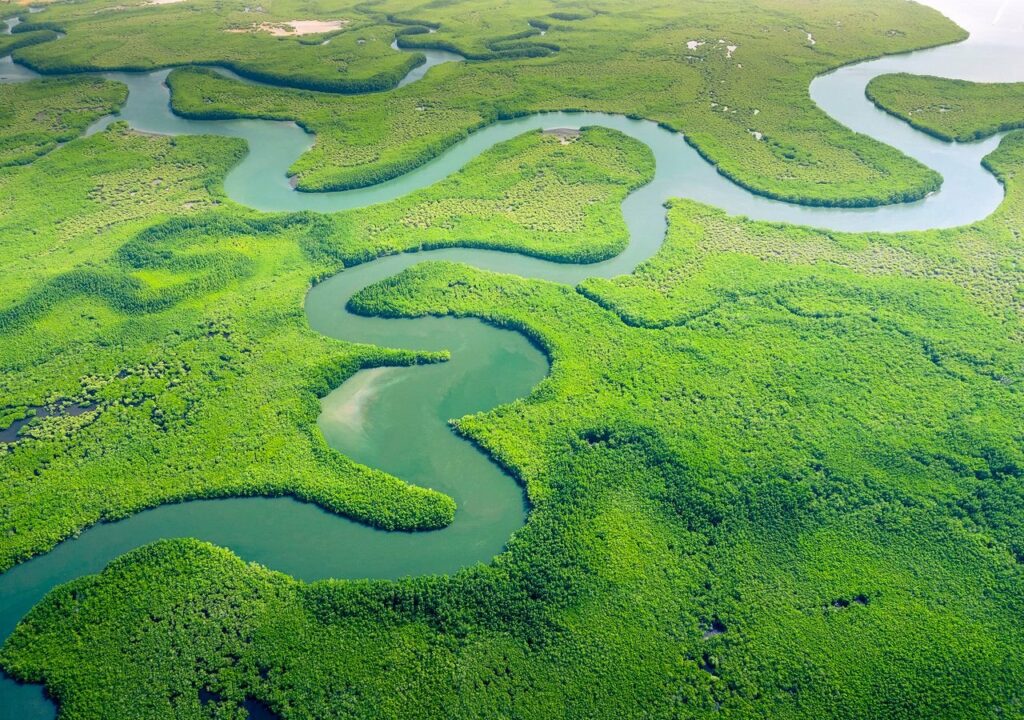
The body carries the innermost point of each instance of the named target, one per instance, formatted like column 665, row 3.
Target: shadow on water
column 12, row 432
column 255, row 709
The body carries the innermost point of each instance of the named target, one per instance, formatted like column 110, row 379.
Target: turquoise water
column 969, row 192
column 395, row 419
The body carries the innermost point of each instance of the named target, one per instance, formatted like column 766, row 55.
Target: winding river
column 395, row 419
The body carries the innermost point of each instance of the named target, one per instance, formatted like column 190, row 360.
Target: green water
column 395, row 419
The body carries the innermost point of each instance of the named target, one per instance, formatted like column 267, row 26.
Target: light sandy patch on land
column 564, row 135
column 292, row 28
column 120, row 8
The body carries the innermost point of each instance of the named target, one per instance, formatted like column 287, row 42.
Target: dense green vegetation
column 111, row 187
column 824, row 462
column 9, row 43
column 630, row 58
column 36, row 116
column 807, row 440
column 673, row 287
column 534, row 193
column 950, row 109
column 775, row 472
column 177, row 329
column 105, row 36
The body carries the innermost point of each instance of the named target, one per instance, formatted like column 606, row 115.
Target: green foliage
column 102, row 36
column 635, row 63
column 950, row 109
column 153, row 320
column 533, row 193
column 10, row 43
column 812, row 463
column 423, row 34
column 36, row 116
column 673, row 289
column 808, row 440
column 805, row 442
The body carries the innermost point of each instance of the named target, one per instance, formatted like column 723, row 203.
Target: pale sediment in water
column 348, row 412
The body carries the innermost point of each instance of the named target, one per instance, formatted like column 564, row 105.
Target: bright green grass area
column 548, row 199
column 9, row 43
column 113, row 36
column 36, row 116
column 747, row 109
column 190, row 333
column 674, row 288
column 77, row 206
column 950, row 109
column 826, row 462
column 811, row 438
